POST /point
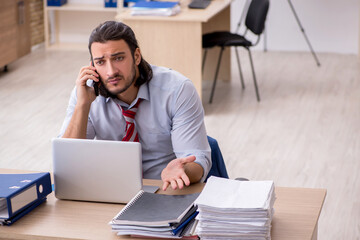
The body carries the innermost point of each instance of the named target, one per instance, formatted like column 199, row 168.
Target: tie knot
column 130, row 113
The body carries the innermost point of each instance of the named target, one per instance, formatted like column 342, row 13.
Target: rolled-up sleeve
column 90, row 132
column 188, row 132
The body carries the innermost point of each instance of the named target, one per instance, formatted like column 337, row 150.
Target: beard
column 128, row 82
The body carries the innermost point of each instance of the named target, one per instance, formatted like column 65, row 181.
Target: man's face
column 116, row 65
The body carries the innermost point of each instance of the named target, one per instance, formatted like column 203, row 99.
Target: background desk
column 176, row 41
column 296, row 215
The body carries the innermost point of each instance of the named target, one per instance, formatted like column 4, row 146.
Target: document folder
column 19, row 191
column 22, row 213
column 155, row 4
column 155, row 8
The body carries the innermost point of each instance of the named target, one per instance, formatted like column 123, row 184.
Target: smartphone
column 95, row 84
column 99, row 87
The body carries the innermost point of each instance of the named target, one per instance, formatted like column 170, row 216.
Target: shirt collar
column 143, row 93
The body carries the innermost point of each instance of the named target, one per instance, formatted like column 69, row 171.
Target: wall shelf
column 82, row 7
column 79, row 18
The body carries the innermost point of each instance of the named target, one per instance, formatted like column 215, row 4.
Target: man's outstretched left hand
column 174, row 173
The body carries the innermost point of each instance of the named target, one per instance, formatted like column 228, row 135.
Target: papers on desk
column 231, row 209
column 155, row 8
column 157, row 216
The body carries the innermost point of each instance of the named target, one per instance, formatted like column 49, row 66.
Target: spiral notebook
column 151, row 209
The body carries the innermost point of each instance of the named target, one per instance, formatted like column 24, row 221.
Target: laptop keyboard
column 199, row 4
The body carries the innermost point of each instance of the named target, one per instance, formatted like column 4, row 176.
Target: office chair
column 255, row 22
column 218, row 168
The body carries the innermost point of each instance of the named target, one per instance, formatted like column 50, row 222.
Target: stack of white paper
column 231, row 209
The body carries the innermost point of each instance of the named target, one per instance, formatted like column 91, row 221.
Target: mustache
column 115, row 77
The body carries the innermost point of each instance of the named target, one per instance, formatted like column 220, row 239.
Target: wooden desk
column 176, row 41
column 296, row 215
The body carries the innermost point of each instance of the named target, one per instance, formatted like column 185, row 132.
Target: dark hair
column 112, row 30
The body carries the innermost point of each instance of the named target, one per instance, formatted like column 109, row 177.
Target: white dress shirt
column 169, row 121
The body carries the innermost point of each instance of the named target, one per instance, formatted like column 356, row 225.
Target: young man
column 156, row 106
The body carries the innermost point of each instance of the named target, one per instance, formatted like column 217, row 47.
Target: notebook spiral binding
column 132, row 201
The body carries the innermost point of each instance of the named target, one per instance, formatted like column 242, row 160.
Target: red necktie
column 131, row 134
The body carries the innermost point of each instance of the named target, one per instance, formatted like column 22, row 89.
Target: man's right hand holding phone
column 85, row 94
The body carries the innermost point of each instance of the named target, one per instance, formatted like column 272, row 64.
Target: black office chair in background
column 255, row 22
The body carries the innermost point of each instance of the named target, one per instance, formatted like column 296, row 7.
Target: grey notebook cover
column 150, row 209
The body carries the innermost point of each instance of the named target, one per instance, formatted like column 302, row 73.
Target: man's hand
column 85, row 94
column 174, row 173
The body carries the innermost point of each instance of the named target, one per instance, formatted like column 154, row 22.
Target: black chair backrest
column 256, row 16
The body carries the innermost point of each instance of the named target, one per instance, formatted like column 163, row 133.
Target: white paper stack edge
column 232, row 209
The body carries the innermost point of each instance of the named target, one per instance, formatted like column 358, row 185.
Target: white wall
column 76, row 26
column 331, row 25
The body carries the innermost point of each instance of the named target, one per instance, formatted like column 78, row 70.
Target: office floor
column 303, row 133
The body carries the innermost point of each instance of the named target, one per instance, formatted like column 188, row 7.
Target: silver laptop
column 96, row 170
